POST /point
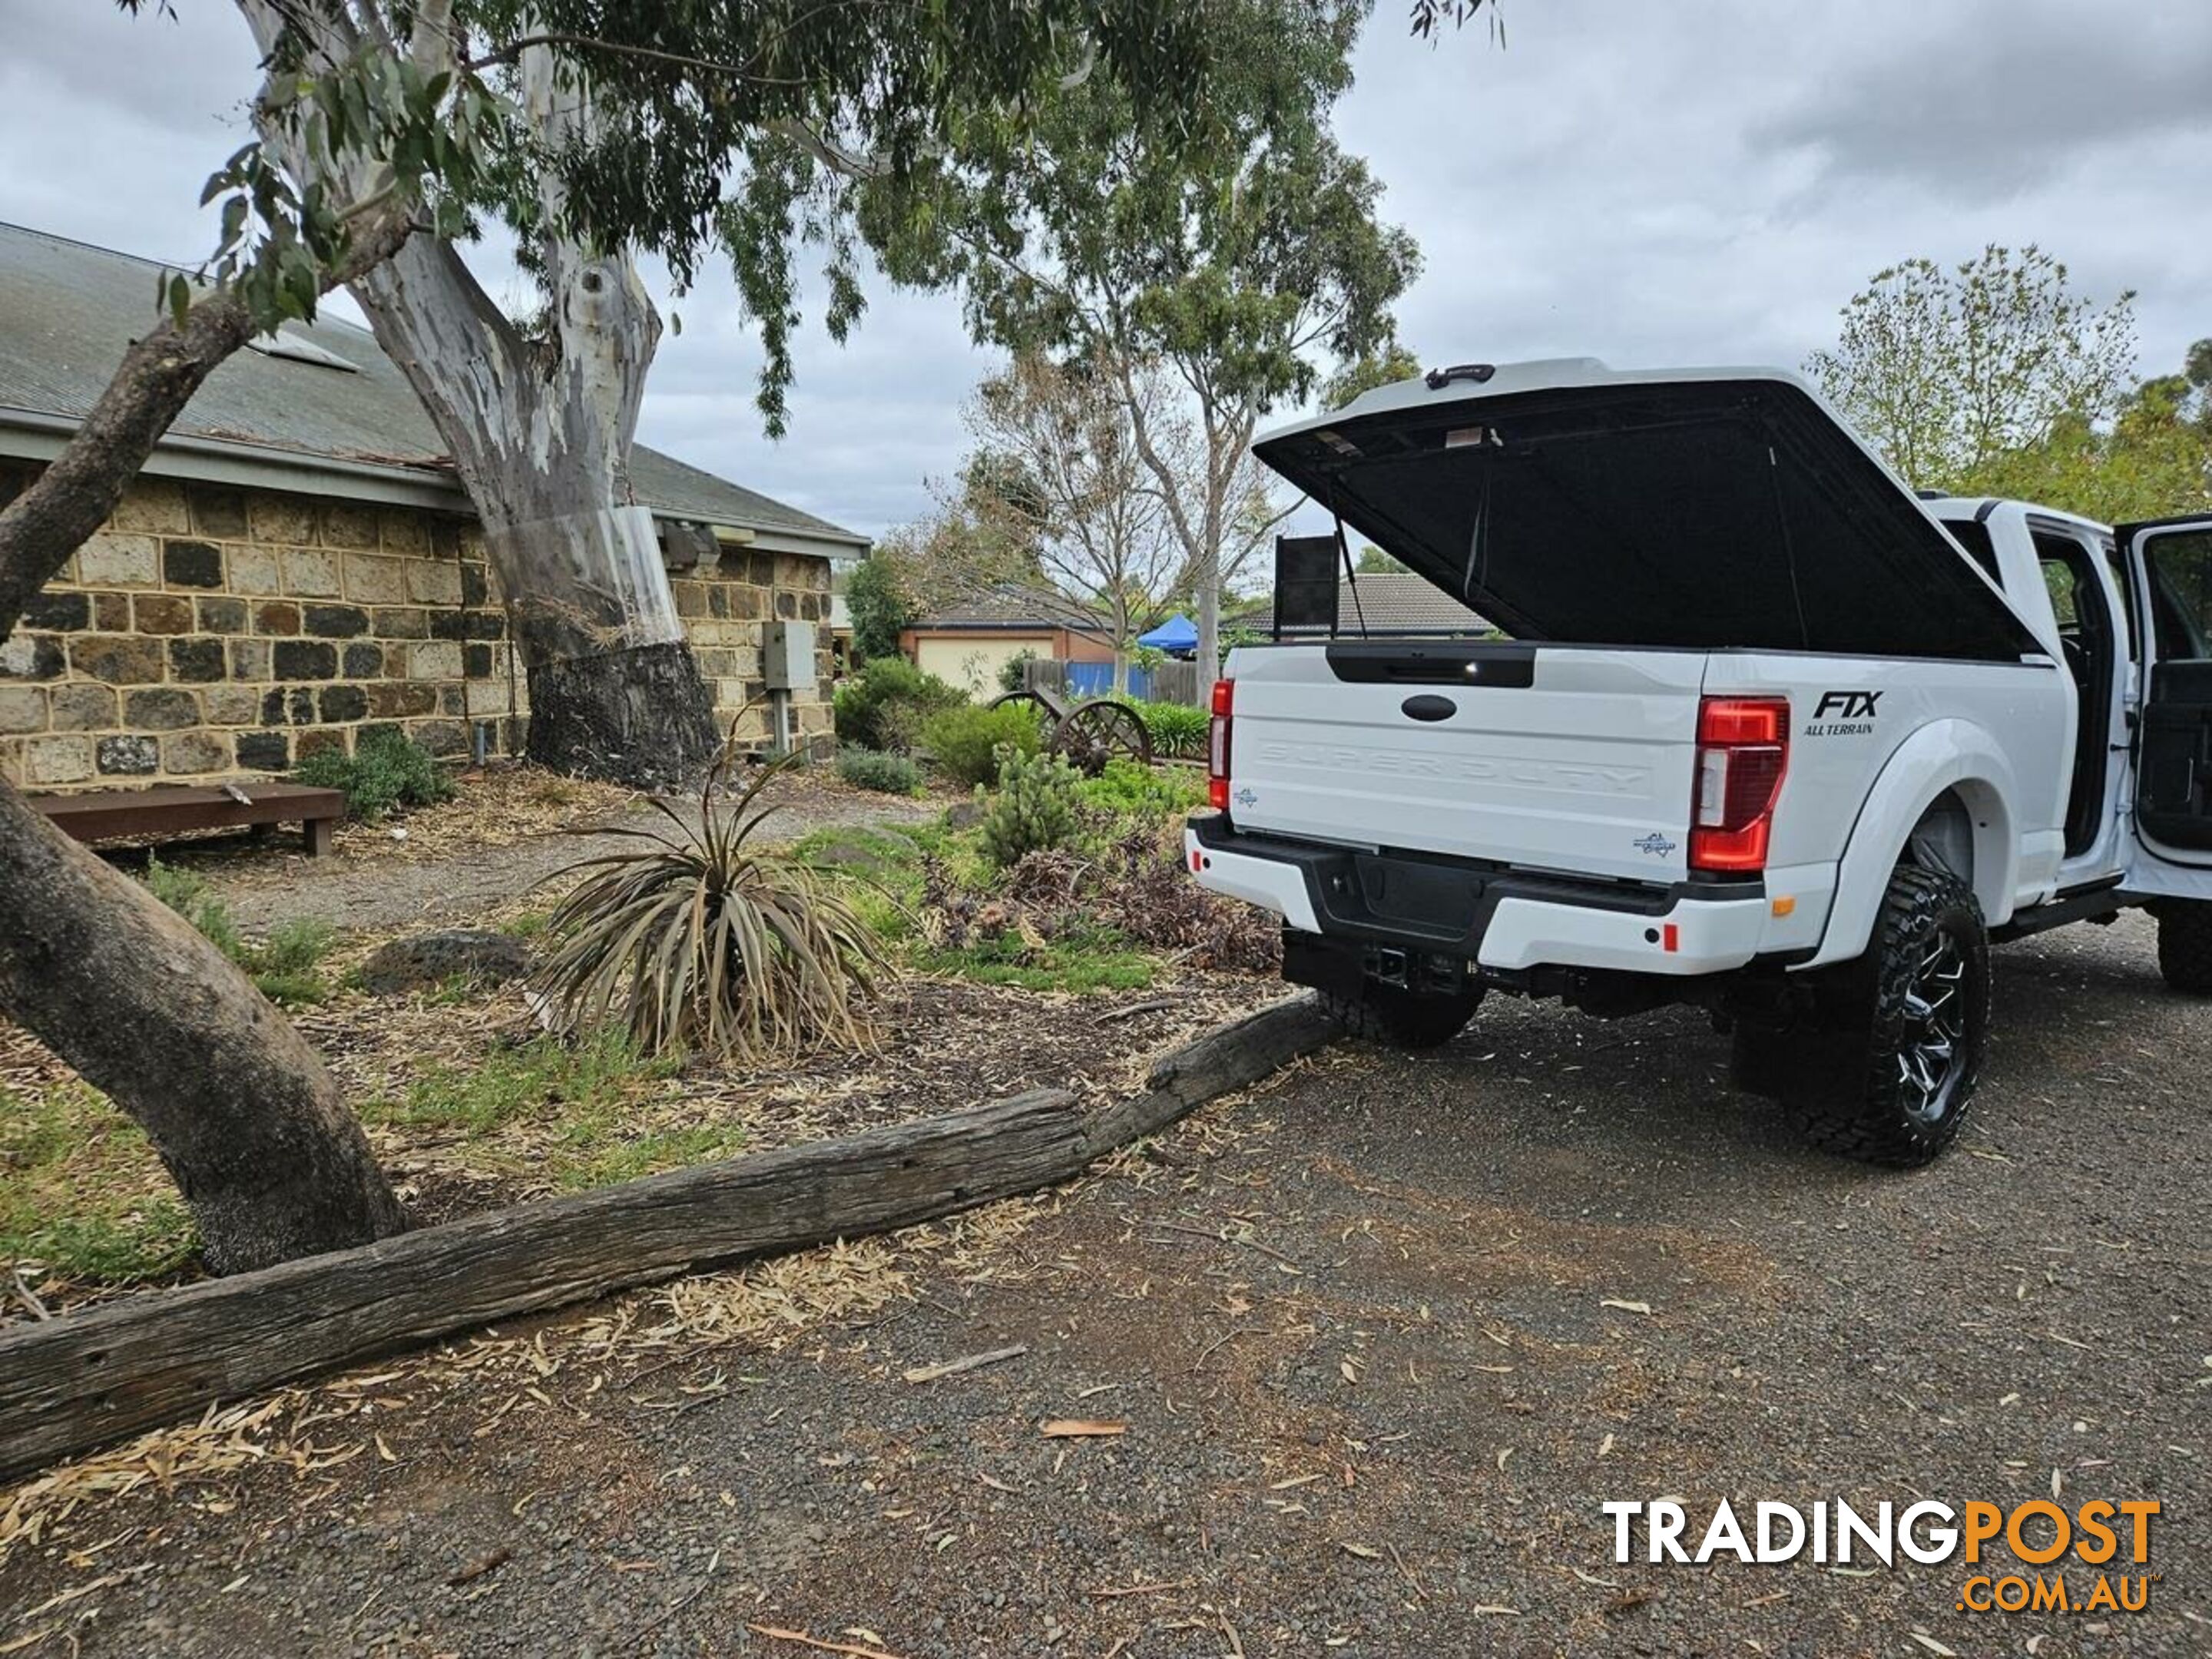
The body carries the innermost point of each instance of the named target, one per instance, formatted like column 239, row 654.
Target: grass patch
column 1060, row 965
column 575, row 1115
column 285, row 967
column 543, row 1080
column 528, row 925
column 82, row 1193
column 604, row 1162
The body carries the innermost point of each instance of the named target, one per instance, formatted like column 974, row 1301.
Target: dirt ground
column 1380, row 1340
column 507, row 831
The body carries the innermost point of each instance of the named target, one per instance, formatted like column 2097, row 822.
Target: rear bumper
column 1504, row 919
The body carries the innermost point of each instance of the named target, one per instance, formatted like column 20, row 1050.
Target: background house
column 297, row 563
column 966, row 644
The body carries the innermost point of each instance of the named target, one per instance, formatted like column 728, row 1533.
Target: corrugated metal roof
column 68, row 310
column 1389, row 601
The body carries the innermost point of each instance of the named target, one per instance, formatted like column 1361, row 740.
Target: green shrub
column 885, row 704
column 1177, row 731
column 1013, row 672
column 1130, row 790
column 875, row 768
column 387, row 769
column 964, row 742
column 1033, row 809
column 283, row 967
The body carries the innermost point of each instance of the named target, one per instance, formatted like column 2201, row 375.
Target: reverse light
column 1216, row 746
column 1743, row 750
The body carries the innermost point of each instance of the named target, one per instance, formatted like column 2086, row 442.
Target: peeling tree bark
column 540, row 434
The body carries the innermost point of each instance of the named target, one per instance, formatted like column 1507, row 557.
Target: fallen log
column 80, row 1379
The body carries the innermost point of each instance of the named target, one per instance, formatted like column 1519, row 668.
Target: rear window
column 1974, row 537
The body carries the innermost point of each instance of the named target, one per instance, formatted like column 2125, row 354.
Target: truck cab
column 1766, row 732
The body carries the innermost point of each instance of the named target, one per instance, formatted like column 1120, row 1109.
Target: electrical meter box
column 787, row 656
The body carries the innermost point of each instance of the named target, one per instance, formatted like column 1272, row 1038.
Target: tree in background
column 2153, row 460
column 1090, row 504
column 879, row 606
column 1947, row 372
column 1237, row 264
column 981, row 533
column 1996, row 378
column 1393, row 362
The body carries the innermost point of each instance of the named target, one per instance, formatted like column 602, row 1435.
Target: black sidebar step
column 2096, row 901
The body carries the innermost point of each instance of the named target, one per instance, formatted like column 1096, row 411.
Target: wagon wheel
column 1095, row 732
column 1044, row 703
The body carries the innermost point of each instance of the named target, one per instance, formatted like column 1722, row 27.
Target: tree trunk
column 1209, row 618
column 540, row 432
column 641, row 715
column 148, row 1012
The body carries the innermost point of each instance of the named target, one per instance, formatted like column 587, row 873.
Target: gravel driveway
column 1364, row 1330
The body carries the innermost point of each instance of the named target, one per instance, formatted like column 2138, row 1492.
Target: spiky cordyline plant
column 701, row 941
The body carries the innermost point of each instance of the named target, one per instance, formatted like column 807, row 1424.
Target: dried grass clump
column 700, row 941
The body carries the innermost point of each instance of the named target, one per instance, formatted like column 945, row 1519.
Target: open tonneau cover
column 1712, row 509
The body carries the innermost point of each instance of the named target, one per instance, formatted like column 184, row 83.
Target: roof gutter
column 33, row 435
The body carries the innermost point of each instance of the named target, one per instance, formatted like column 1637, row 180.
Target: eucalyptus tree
column 697, row 130
column 1239, row 261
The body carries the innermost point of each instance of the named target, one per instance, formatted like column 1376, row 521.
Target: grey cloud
column 1647, row 184
column 1997, row 96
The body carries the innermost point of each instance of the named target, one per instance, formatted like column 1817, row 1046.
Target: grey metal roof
column 68, row 310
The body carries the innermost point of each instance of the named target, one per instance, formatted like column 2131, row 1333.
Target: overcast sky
column 1649, row 183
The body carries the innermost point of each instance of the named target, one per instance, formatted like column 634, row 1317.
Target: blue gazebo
column 1178, row 637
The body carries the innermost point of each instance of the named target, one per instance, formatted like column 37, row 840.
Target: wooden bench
column 170, row 808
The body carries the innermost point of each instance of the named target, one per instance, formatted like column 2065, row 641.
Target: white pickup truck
column 1768, row 732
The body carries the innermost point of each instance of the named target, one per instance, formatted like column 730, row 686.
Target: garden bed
column 1068, row 968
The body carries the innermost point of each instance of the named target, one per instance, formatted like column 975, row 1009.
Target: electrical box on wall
column 787, row 656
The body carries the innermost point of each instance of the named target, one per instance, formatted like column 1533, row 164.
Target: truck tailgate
column 1543, row 756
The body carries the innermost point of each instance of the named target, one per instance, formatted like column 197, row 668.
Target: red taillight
column 1743, row 748
column 1216, row 746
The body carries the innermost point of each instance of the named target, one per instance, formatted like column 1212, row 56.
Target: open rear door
column 2170, row 564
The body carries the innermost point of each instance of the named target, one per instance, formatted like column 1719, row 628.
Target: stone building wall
column 725, row 604
column 207, row 633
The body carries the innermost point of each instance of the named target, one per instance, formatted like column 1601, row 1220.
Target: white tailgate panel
column 1587, row 770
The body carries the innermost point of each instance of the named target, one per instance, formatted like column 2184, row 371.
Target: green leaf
column 180, row 298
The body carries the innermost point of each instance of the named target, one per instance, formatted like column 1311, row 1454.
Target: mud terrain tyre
column 1400, row 1018
column 1889, row 1077
column 2184, row 946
